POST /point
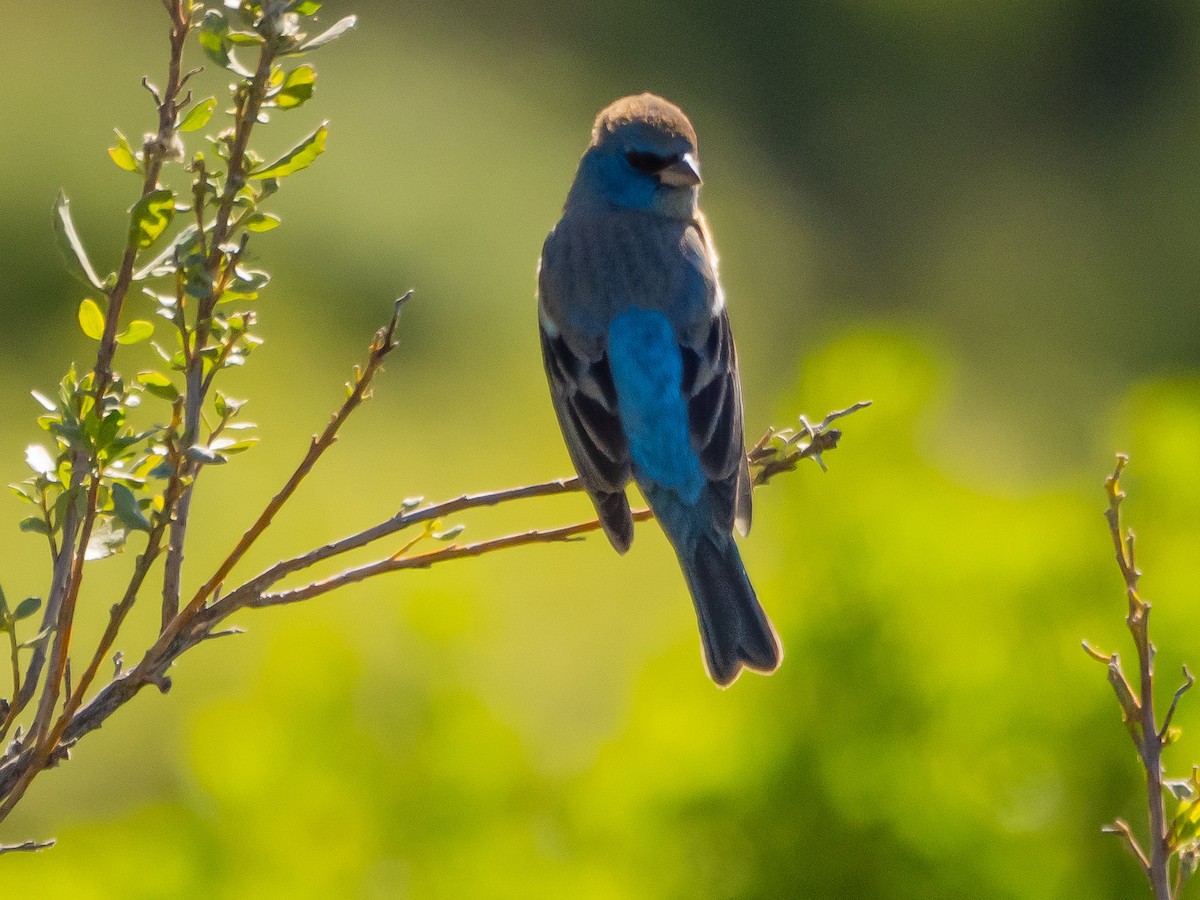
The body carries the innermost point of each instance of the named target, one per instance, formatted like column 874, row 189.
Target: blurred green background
column 982, row 217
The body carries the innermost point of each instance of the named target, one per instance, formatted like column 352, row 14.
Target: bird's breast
column 598, row 264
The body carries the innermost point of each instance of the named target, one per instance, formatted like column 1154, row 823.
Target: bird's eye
column 647, row 163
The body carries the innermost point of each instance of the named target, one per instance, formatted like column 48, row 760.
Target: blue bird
column 642, row 368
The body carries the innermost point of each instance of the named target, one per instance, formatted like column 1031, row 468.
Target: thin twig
column 425, row 560
column 1121, row 827
column 26, row 846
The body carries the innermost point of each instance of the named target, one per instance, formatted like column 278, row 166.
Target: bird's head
column 643, row 156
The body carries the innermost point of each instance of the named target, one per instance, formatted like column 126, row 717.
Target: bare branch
column 1121, row 827
column 26, row 847
column 1188, row 681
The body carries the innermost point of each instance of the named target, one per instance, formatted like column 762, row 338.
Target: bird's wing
column 585, row 402
column 713, row 389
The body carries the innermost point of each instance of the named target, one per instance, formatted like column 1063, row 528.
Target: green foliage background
column 983, row 219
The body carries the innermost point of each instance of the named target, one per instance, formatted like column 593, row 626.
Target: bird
column 642, row 367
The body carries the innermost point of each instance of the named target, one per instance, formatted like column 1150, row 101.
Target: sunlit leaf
column 158, row 384
column 297, row 87
column 197, row 117
column 262, row 222
column 70, row 246
column 91, row 319
column 164, row 262
column 108, row 536
column 150, row 217
column 339, row 28
column 231, row 445
column 212, row 32
column 45, row 401
column 299, row 157
column 139, row 330
column 244, row 38
column 204, row 455
column 39, row 459
column 123, row 154
column 306, row 7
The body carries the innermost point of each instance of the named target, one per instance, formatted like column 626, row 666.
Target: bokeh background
column 981, row 216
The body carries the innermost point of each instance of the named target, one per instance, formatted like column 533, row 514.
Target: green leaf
column 213, row 29
column 127, row 510
column 339, row 28
column 230, row 445
column 158, row 384
column 123, row 154
column 4, row 614
column 299, row 157
column 91, row 319
column 306, row 7
column 35, row 525
column 139, row 330
column 164, row 263
column 262, row 222
column 297, row 87
column 150, row 217
column 26, row 608
column 204, row 455
column 197, row 117
column 70, row 246
column 244, row 38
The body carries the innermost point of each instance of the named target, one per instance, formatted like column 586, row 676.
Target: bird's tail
column 734, row 629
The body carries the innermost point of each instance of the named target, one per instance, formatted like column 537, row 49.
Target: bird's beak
column 684, row 172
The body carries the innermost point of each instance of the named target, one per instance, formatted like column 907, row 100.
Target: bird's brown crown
column 643, row 109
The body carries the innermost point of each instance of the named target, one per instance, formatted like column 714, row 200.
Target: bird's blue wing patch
column 647, row 370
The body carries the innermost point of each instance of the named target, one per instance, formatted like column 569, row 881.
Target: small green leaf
column 411, row 503
column 213, row 30
column 306, row 7
column 297, row 87
column 339, row 28
column 230, row 445
column 34, row 525
column 123, row 154
column 299, row 157
column 70, row 246
column 197, row 117
column 139, row 330
column 91, row 319
column 24, row 491
column 126, row 508
column 158, row 384
column 164, row 263
column 204, row 455
column 26, row 608
column 4, row 614
column 262, row 222
column 150, row 217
